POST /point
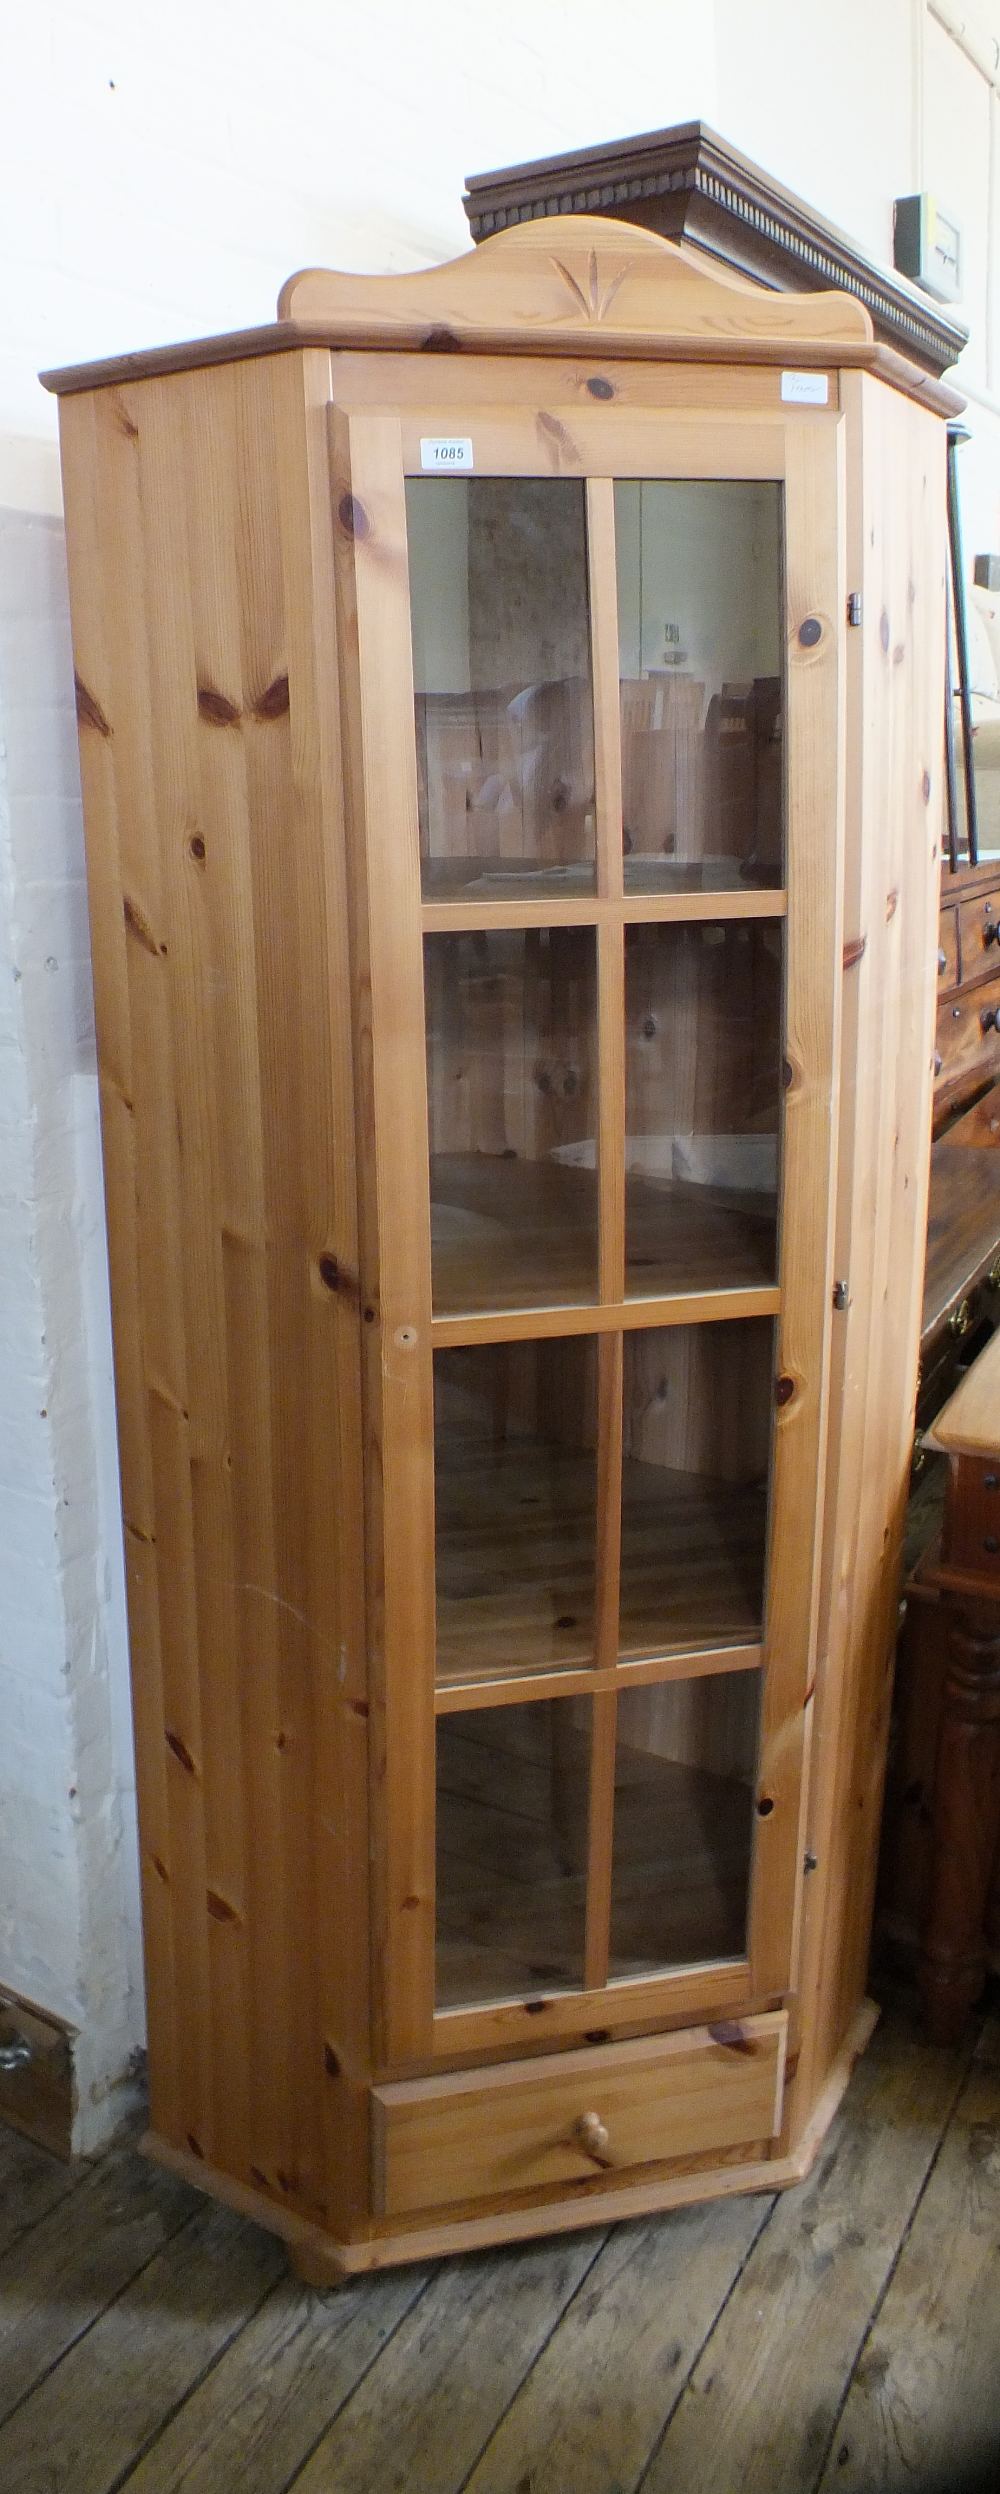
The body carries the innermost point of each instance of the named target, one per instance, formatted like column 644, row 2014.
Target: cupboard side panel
column 225, row 876
column 93, row 553
column 896, row 539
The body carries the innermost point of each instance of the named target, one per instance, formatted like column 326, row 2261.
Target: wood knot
column 883, row 632
column 925, row 787
column 441, row 342
column 219, row 1907
column 784, row 1389
column 854, row 950
column 139, row 926
column 216, row 707
column 275, row 702
column 733, row 2036
column 196, row 846
column 353, row 518
column 599, row 387
column 195, row 2146
column 88, row 711
column 331, row 2063
column 181, row 1751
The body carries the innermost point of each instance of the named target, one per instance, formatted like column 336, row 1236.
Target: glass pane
column 685, row 1769
column 512, row 1798
column 515, row 1507
column 700, row 634
column 696, row 1455
column 703, row 1008
column 502, row 684
column 512, row 1101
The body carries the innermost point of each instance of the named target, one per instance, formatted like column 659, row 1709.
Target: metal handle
column 990, row 1018
column 991, row 931
column 15, row 2056
column 960, row 1319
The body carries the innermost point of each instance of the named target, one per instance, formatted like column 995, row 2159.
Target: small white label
column 447, row 455
column 806, row 389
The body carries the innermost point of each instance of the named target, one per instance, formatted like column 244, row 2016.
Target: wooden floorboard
column 839, row 2339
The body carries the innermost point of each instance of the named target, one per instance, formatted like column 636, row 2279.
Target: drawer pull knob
column 942, row 958
column 590, row 2134
column 991, row 932
column 990, row 1019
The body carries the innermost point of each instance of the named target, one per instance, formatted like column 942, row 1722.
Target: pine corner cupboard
column 510, row 707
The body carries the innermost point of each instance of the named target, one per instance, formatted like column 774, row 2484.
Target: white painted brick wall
column 161, row 172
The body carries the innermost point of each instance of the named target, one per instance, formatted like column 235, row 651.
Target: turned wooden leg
column 966, row 1818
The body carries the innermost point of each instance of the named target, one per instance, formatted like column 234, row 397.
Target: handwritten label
column 806, row 389
column 447, row 455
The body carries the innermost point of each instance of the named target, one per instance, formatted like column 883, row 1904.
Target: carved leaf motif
column 595, row 304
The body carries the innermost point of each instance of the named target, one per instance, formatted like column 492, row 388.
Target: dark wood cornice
column 688, row 184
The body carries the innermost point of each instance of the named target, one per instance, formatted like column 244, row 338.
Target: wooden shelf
column 504, row 879
column 512, row 1849
column 648, row 874
column 510, row 1233
column 516, row 1535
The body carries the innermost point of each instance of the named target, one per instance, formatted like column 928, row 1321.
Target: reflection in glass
column 502, row 684
column 515, row 1433
column 512, row 1797
column 703, row 1011
column 511, row 1084
column 700, row 606
column 696, row 1452
column 683, row 1835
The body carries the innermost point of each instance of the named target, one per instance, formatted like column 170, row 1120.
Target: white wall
column 161, row 171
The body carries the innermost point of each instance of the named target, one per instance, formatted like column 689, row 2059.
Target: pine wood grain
column 894, row 669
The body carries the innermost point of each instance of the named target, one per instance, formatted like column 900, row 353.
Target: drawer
column 574, row 2115
column 979, row 920
column 963, row 1046
column 947, row 950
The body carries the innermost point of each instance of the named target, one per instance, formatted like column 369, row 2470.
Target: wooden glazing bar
column 637, row 909
column 702, row 1307
column 611, row 1113
column 686, row 1663
column 604, row 660
column 602, row 1752
column 600, row 1836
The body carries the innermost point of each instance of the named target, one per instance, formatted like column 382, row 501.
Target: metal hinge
column 809, row 1862
column 854, row 607
column 841, row 1295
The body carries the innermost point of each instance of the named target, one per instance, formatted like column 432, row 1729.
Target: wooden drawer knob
column 590, row 2133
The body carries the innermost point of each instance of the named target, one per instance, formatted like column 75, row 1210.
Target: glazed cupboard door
column 593, row 711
